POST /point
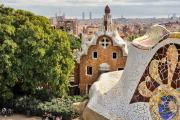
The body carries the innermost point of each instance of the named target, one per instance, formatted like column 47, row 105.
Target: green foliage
column 32, row 54
column 57, row 106
column 132, row 37
column 75, row 42
column 61, row 106
column 24, row 104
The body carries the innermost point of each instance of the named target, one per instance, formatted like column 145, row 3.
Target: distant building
column 68, row 25
column 91, row 30
column 90, row 15
column 83, row 15
column 105, row 52
column 174, row 15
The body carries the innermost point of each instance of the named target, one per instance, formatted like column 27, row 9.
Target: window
column 89, row 70
column 114, row 55
column 120, row 68
column 104, row 42
column 95, row 55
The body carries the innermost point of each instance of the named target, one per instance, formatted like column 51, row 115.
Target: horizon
column 119, row 8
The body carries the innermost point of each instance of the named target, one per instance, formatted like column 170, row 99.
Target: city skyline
column 74, row 8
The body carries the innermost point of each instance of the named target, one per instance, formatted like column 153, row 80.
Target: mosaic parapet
column 160, row 82
column 149, row 88
column 153, row 36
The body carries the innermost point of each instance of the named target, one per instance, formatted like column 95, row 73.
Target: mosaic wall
column 160, row 84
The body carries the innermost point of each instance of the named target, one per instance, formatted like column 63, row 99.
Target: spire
column 107, row 9
column 107, row 19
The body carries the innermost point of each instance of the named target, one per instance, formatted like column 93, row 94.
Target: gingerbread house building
column 105, row 52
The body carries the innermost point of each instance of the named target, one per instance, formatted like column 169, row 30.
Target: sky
column 74, row 8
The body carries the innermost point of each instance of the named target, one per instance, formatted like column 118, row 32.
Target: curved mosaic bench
column 149, row 87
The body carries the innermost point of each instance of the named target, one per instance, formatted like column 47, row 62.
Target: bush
column 61, row 106
column 27, row 104
column 44, row 94
column 56, row 106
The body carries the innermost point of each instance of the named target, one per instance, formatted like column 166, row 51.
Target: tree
column 75, row 42
column 32, row 54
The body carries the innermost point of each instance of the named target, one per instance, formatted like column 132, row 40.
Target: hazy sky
column 74, row 8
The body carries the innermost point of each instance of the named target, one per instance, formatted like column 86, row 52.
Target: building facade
column 66, row 24
column 105, row 52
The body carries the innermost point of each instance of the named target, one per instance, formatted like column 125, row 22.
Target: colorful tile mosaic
column 149, row 86
column 160, row 84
